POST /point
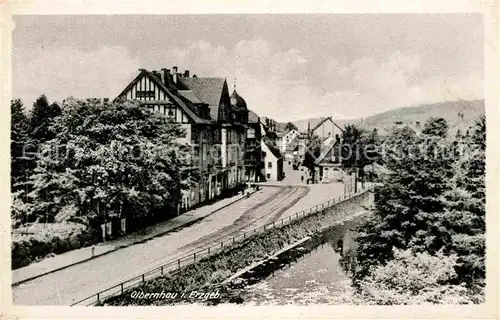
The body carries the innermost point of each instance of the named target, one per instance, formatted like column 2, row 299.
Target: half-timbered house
column 215, row 129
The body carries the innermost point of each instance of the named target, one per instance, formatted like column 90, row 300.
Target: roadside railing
column 175, row 265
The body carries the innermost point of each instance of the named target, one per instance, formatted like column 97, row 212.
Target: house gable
column 144, row 88
column 150, row 90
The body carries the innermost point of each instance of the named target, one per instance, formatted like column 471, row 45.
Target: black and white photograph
column 271, row 159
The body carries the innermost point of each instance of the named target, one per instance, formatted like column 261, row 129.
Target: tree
column 41, row 118
column 436, row 127
column 110, row 159
column 312, row 152
column 428, row 204
column 410, row 200
column 359, row 148
column 290, row 126
column 464, row 216
column 372, row 155
column 18, row 139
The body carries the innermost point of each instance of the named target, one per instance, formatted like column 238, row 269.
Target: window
column 145, row 94
column 268, row 176
column 269, row 164
column 251, row 133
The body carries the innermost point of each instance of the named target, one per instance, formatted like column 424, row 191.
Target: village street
column 168, row 158
column 271, row 203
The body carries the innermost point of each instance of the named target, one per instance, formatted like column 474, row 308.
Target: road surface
column 80, row 281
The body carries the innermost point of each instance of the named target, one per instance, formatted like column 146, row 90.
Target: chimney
column 186, row 74
column 175, row 74
column 165, row 73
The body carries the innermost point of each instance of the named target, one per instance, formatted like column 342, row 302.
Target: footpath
column 70, row 258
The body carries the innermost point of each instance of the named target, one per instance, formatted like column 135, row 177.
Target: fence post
column 161, row 268
column 244, row 235
column 234, row 239
column 208, row 250
column 221, row 244
column 179, row 264
column 143, row 277
column 296, row 215
column 273, row 224
column 121, row 284
column 194, row 256
column 98, row 301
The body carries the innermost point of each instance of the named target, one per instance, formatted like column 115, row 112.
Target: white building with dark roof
column 273, row 161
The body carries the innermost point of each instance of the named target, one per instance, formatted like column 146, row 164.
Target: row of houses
column 294, row 144
column 227, row 140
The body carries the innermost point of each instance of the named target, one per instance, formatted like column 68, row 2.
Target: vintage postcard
column 239, row 161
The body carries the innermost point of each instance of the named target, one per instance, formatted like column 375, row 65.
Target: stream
column 316, row 277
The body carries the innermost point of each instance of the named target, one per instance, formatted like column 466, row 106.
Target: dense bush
column 411, row 278
column 39, row 241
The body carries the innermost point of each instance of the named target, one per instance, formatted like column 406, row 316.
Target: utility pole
column 356, row 168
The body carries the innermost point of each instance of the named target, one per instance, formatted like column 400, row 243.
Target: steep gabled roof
column 190, row 95
column 178, row 100
column 182, row 104
column 275, row 151
column 209, row 90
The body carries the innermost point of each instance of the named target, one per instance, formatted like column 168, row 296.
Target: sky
column 288, row 67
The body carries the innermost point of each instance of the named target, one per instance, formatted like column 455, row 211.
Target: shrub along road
column 74, row 283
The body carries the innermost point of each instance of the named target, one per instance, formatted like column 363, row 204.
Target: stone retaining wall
column 214, row 269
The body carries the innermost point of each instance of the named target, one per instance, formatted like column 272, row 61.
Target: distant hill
column 450, row 111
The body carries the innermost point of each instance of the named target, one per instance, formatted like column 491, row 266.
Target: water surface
column 315, row 278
